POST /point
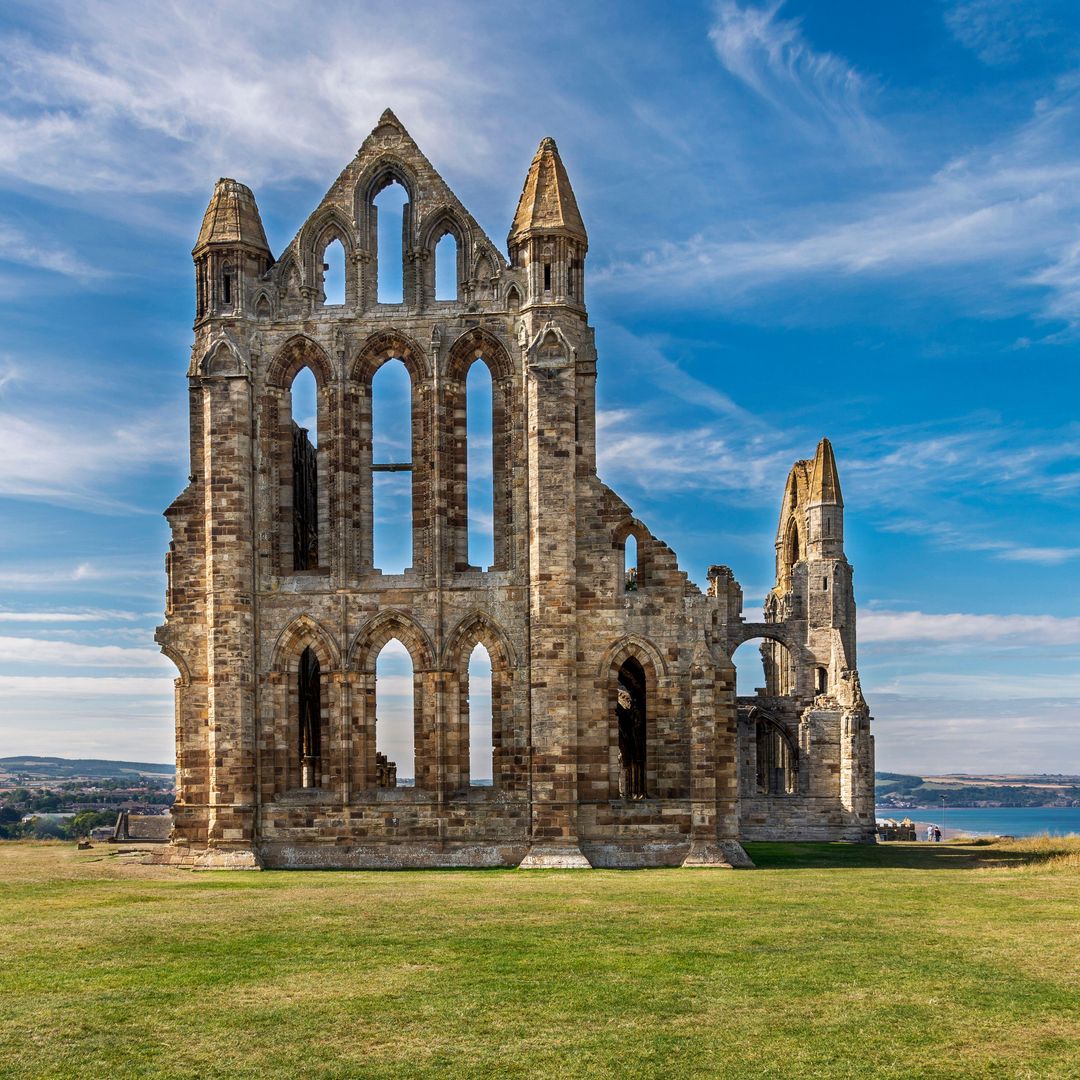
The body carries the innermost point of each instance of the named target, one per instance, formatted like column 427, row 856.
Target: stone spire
column 825, row 481
column 232, row 218
column 547, row 204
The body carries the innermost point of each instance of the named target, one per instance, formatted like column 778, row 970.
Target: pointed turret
column 231, row 251
column 548, row 237
column 825, row 483
column 232, row 218
column 547, row 204
column 825, row 507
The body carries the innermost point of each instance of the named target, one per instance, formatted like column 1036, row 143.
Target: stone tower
column 616, row 735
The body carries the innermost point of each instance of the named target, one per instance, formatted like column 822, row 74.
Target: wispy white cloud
column 817, row 93
column 984, row 686
column 79, row 462
column 92, row 573
column 88, row 716
column 1000, row 212
column 879, row 626
column 60, row 654
column 157, row 99
column 970, row 538
column 9, row 373
column 74, row 686
column 639, row 456
column 997, row 30
column 95, row 616
column 43, row 253
column 937, row 732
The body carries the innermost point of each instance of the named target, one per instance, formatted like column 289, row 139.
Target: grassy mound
column 830, row 960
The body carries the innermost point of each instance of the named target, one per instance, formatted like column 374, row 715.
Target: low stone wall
column 800, row 817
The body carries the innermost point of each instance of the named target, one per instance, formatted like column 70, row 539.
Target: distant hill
column 903, row 791
column 57, row 768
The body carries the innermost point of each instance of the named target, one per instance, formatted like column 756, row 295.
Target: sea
column 994, row 820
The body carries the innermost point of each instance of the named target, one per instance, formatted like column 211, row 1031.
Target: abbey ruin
column 616, row 734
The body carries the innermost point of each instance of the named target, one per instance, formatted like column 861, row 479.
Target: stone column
column 550, row 394
column 714, row 778
column 227, row 460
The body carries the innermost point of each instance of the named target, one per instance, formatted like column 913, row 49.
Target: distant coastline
column 990, row 820
column 904, row 792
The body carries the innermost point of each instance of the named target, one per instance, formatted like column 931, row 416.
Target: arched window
column 794, row 548
column 333, row 274
column 480, row 465
column 513, row 299
column 630, row 563
column 309, row 716
column 764, row 668
column 632, row 728
column 227, row 288
column 777, row 765
column 389, row 207
column 395, row 742
column 481, row 742
column 446, row 268
column 305, row 471
column 391, row 456
column 821, row 680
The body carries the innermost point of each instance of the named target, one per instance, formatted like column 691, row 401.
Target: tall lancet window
column 309, row 696
column 305, row 462
column 480, row 465
column 632, row 728
column 390, row 206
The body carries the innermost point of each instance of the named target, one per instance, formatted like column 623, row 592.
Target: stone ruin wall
column 553, row 612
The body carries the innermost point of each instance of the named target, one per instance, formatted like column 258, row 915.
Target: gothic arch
column 321, row 229
column 636, row 646
column 785, row 668
column 302, row 632
column 180, row 663
column 478, row 344
column 380, row 174
column 484, row 264
column 478, row 626
column 780, row 632
column 632, row 731
column 298, row 352
column 284, row 270
column 390, row 345
column 776, row 754
column 262, row 303
column 439, row 222
column 223, row 358
column 327, row 224
column 794, row 549
column 380, row 629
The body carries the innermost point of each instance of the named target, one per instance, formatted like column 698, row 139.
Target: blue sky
column 804, row 218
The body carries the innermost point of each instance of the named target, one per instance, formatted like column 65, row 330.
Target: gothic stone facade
column 618, row 738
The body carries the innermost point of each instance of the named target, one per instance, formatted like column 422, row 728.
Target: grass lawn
column 828, row 961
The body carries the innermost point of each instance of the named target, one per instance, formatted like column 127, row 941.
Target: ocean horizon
column 993, row 820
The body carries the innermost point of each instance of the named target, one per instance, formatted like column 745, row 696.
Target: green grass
column 828, row 961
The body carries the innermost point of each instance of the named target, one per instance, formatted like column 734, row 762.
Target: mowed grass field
column 827, row 961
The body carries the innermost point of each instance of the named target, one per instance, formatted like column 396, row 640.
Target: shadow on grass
column 894, row 855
